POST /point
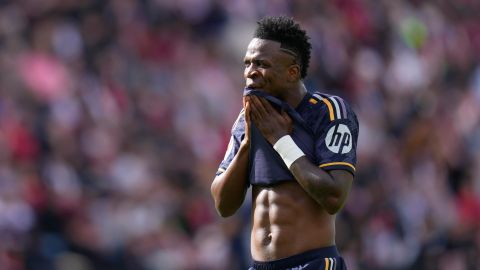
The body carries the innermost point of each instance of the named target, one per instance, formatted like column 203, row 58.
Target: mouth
column 253, row 83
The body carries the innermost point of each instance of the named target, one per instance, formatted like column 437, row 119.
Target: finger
column 287, row 120
column 286, row 117
column 248, row 110
column 255, row 109
column 259, row 107
column 268, row 107
column 245, row 99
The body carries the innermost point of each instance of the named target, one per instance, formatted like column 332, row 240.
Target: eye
column 262, row 64
column 256, row 63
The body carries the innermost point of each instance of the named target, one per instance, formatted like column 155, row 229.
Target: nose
column 250, row 71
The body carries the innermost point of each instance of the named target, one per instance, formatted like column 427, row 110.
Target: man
column 295, row 148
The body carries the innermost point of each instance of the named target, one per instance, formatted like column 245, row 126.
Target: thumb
column 288, row 121
column 286, row 117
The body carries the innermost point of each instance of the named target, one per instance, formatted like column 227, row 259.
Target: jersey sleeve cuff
column 338, row 166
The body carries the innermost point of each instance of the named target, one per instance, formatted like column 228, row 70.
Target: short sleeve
column 237, row 134
column 336, row 136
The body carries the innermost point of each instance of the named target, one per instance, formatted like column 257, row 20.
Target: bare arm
column 329, row 189
column 229, row 188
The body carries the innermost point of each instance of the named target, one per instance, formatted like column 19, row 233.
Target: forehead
column 263, row 47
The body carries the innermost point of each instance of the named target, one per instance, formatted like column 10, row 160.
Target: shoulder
column 333, row 110
column 335, row 107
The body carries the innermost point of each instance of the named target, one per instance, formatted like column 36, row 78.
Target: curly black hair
column 291, row 37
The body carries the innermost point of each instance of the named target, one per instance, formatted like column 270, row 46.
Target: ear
column 294, row 73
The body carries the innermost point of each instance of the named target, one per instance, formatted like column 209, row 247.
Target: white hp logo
column 339, row 139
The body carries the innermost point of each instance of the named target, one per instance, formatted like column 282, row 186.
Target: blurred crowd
column 114, row 116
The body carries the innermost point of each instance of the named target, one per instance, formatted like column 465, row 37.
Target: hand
column 272, row 124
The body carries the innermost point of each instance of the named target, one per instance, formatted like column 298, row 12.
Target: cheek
column 276, row 78
column 271, row 75
column 285, row 77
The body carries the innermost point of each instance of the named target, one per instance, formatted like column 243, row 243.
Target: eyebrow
column 255, row 58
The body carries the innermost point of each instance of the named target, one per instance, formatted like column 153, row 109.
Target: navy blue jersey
column 325, row 128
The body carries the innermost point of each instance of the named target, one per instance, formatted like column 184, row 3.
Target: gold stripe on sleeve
column 327, row 262
column 337, row 163
column 330, row 108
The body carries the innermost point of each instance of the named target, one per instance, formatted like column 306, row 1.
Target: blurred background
column 114, row 116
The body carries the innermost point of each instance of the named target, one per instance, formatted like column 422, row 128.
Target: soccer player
column 295, row 148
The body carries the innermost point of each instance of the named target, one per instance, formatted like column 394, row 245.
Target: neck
column 295, row 95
